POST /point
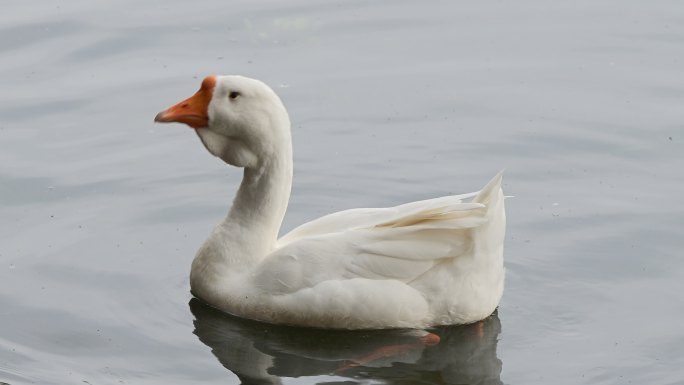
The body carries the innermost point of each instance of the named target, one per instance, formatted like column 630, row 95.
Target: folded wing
column 399, row 243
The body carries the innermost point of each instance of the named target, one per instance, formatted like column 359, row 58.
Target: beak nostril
column 184, row 105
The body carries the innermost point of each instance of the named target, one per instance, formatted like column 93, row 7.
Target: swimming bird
column 420, row 264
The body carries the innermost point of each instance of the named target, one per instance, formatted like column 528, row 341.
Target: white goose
column 421, row 264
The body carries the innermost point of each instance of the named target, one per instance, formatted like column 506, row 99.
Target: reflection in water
column 260, row 353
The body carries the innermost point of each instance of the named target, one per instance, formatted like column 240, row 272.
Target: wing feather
column 370, row 217
column 401, row 242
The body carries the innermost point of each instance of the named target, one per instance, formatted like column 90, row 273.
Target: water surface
column 101, row 210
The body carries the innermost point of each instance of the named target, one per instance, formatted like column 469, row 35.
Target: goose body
column 421, row 264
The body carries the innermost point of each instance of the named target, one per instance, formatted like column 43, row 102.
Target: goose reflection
column 260, row 353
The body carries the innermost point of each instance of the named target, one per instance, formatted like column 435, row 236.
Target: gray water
column 101, row 210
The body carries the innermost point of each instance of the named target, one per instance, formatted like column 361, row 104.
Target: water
column 102, row 210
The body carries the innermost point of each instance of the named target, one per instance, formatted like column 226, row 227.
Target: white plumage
column 425, row 263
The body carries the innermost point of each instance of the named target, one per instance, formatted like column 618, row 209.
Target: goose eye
column 233, row 94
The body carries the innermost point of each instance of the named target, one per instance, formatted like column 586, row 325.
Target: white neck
column 261, row 201
column 250, row 230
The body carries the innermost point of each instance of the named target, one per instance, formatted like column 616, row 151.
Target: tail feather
column 490, row 236
column 490, row 189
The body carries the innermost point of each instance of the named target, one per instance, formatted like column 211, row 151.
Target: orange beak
column 192, row 111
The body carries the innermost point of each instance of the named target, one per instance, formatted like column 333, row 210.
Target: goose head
column 238, row 119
